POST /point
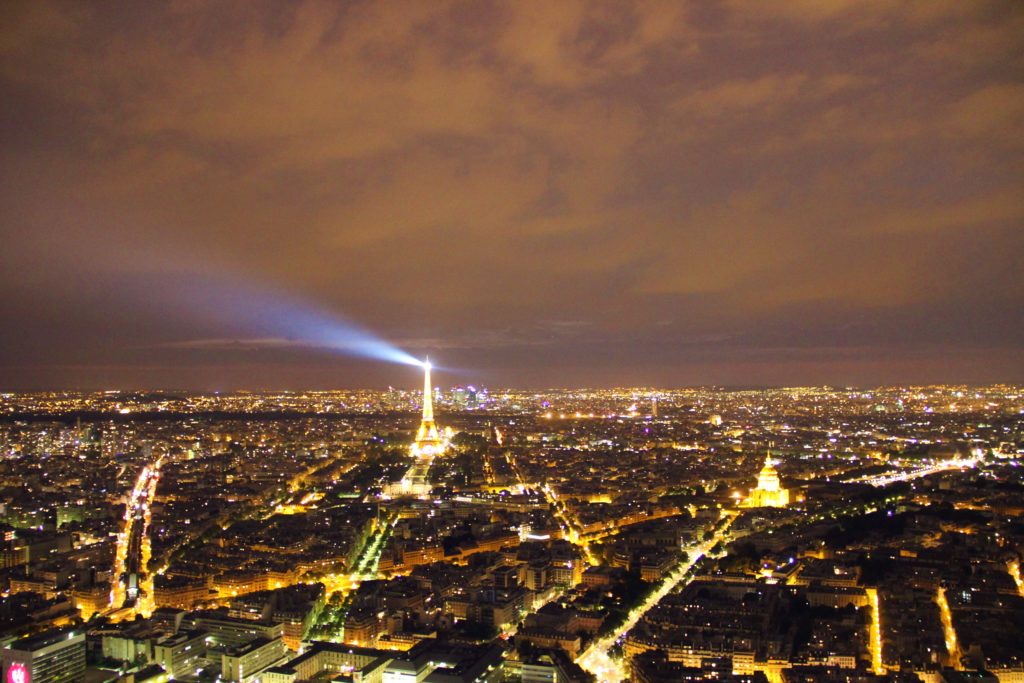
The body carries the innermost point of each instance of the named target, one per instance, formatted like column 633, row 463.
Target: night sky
column 536, row 193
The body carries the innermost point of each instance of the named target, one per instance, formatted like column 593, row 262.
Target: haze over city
column 541, row 194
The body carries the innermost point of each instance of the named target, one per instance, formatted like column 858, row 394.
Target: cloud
column 242, row 344
column 464, row 176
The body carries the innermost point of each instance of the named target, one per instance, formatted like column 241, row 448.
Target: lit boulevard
column 132, row 551
column 568, row 525
column 952, row 646
column 875, row 632
column 919, row 472
column 596, row 658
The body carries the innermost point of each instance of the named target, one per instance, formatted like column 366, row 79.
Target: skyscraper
column 53, row 657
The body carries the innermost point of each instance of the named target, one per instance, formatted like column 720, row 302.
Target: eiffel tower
column 428, row 441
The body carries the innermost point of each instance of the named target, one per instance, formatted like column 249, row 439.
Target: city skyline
column 778, row 536
column 239, row 196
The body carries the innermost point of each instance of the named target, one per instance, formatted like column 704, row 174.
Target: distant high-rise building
column 459, row 397
column 54, row 657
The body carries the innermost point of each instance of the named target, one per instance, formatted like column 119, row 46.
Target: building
column 364, row 664
column 243, row 663
column 235, row 583
column 91, row 599
column 153, row 673
column 180, row 592
column 554, row 666
column 430, row 661
column 31, row 584
column 414, row 482
column 552, row 640
column 54, row 657
column 131, row 645
column 182, row 653
column 231, row 632
column 769, row 492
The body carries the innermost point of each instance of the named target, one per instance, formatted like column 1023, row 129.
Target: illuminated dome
column 768, row 480
column 769, row 492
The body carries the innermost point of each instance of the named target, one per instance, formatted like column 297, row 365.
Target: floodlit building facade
column 769, row 491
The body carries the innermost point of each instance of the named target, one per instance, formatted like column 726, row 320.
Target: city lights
column 612, row 541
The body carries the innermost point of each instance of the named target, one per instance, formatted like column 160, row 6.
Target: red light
column 18, row 673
